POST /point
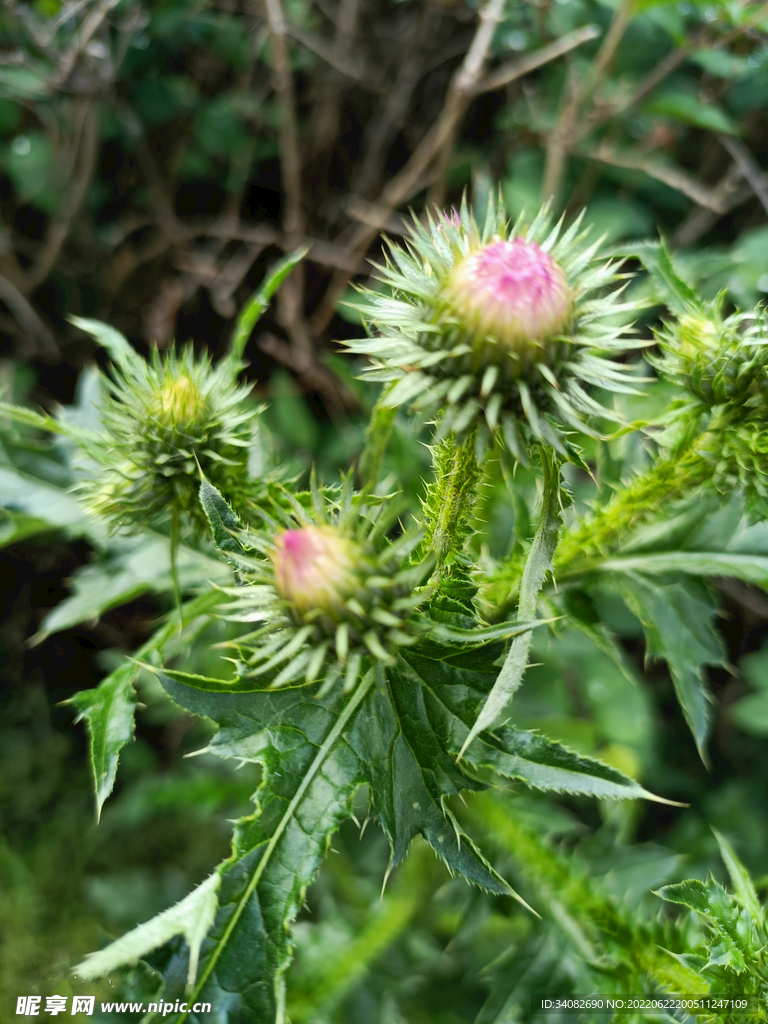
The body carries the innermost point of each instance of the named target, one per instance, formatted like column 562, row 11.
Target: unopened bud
column 511, row 291
column 180, row 401
column 315, row 567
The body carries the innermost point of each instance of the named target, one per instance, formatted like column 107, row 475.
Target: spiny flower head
column 332, row 592
column 718, row 360
column 167, row 420
column 503, row 328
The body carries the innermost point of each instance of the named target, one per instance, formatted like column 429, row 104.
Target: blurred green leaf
column 29, row 162
column 683, row 106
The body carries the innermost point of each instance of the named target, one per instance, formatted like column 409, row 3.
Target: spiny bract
column 331, row 591
column 168, row 420
column 503, row 328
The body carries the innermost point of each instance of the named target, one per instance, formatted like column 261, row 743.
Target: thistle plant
column 375, row 642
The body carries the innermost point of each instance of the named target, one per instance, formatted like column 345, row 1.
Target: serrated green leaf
column 222, row 519
column 88, row 439
column 30, row 418
column 258, row 302
column 190, row 917
column 677, row 620
column 109, row 707
column 656, row 259
column 310, row 776
column 692, row 894
column 483, row 635
column 718, row 907
column 108, row 710
column 452, row 693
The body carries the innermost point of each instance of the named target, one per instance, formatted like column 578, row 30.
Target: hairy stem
column 376, row 440
column 174, row 543
column 451, row 498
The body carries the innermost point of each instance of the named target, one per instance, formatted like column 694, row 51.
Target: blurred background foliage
column 155, row 159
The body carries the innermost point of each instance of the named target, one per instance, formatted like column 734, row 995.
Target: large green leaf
column 751, row 568
column 315, row 753
column 398, row 733
column 677, row 618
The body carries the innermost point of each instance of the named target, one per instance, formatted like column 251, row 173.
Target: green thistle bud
column 332, row 592
column 718, row 360
column 500, row 329
column 167, row 421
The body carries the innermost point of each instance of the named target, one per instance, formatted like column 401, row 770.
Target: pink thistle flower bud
column 512, row 291
column 315, row 568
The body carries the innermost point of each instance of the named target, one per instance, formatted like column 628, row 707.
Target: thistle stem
column 174, row 543
column 451, row 497
column 667, row 480
column 538, row 563
column 376, row 441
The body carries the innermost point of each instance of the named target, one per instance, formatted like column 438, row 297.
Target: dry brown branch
column 327, row 112
column 730, row 193
column 89, row 27
column 747, row 165
column 407, row 181
column 515, row 69
column 291, row 295
column 61, row 225
column 504, row 76
column 672, row 176
column 562, row 136
column 162, row 205
column 29, row 320
column 336, row 56
column 383, row 127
